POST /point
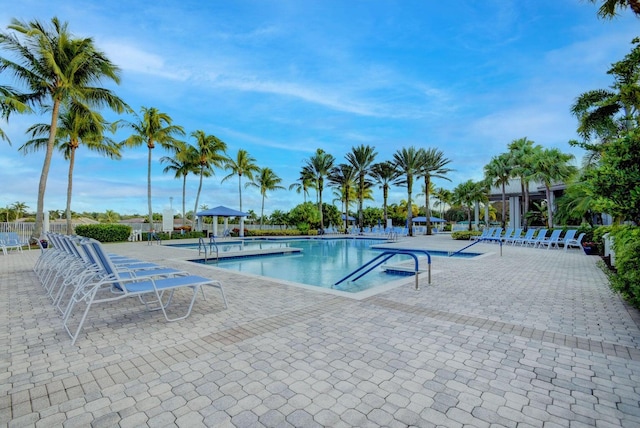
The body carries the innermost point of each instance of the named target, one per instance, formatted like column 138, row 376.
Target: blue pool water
column 322, row 262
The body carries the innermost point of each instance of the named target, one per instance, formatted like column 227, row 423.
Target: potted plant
column 590, row 248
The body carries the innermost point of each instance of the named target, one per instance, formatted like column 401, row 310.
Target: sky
column 283, row 78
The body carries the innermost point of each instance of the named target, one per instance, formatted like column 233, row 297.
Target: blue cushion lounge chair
column 485, row 234
column 117, row 287
column 510, row 239
column 571, row 234
column 552, row 240
column 541, row 236
column 574, row 242
column 523, row 239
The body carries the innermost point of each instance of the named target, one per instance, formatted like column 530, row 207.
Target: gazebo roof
column 221, row 211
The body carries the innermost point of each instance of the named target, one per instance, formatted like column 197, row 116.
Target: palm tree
column 110, row 216
column 384, row 174
column 244, row 164
column 267, row 181
column 319, row 166
column 468, row 193
column 551, row 166
column 344, row 177
column 497, row 173
column 10, row 102
column 361, row 158
column 408, row 162
column 433, row 167
column 182, row 164
column 56, row 67
column 209, row 151
column 78, row 124
column 608, row 9
column 443, row 197
column 19, row 208
column 153, row 127
column 522, row 152
column 303, row 183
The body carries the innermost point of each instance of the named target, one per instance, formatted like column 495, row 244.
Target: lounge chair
column 117, row 287
column 523, row 239
column 574, row 242
column 10, row 241
column 552, row 240
column 507, row 234
column 485, row 234
column 571, row 234
column 510, row 239
column 541, row 236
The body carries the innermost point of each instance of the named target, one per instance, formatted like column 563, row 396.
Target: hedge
column 105, row 232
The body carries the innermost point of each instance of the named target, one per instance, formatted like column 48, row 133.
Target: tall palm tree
column 154, row 127
column 210, row 151
column 433, row 167
column 443, row 198
column 384, row 174
column 267, row 181
column 608, row 9
column 468, row 193
column 319, row 165
column 181, row 164
column 522, row 152
column 303, row 183
column 243, row 164
column 55, row 67
column 361, row 158
column 78, row 124
column 408, row 162
column 551, row 166
column 498, row 172
column 344, row 177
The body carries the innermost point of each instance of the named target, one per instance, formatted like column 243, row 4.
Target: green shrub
column 104, row 232
column 465, row 235
column 626, row 244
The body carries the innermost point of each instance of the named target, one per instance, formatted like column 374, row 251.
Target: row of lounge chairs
column 78, row 273
column 536, row 238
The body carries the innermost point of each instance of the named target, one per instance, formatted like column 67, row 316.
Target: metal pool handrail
column 499, row 240
column 383, row 257
column 202, row 246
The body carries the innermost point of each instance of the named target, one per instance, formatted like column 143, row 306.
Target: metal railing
column 383, row 257
column 202, row 247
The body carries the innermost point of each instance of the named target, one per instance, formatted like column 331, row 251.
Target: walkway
column 533, row 338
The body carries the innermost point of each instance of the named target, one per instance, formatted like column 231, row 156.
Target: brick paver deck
column 533, row 338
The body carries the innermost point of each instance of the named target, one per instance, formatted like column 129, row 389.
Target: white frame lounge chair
column 523, row 239
column 568, row 236
column 510, row 239
column 574, row 242
column 117, row 287
column 541, row 236
column 552, row 240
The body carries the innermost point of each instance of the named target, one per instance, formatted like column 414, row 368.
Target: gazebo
column 226, row 212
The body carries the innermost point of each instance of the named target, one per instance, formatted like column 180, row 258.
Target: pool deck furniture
column 535, row 338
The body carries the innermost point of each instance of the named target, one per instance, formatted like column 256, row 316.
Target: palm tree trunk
column 385, row 195
column 409, row 210
column 549, row 205
column 504, row 201
column 195, row 209
column 72, row 157
column 262, row 212
column 427, row 209
column 184, row 194
column 240, row 189
column 149, row 190
column 37, row 230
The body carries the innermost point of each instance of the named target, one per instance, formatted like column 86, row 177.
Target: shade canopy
column 351, row 218
column 221, row 211
column 424, row 220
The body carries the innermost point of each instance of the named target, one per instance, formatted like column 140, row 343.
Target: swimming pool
column 321, row 263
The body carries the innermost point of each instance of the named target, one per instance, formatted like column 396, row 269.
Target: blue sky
column 283, row 78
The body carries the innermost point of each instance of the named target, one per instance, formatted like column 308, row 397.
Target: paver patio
column 533, row 338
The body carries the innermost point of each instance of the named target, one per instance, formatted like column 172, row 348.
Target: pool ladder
column 383, row 257
column 202, row 247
